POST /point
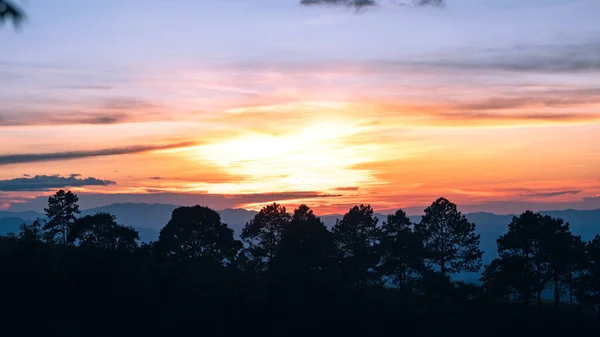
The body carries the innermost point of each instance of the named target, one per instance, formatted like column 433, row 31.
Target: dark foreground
column 54, row 293
column 291, row 276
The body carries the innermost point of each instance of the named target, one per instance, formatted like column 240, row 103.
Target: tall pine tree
column 451, row 244
column 61, row 212
column 356, row 238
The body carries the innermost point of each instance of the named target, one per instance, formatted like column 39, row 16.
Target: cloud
column 216, row 201
column 40, row 118
column 352, row 188
column 108, row 111
column 559, row 57
column 281, row 196
column 518, row 192
column 48, row 182
column 359, row 4
column 551, row 194
column 543, row 99
column 56, row 156
column 83, row 87
column 477, row 118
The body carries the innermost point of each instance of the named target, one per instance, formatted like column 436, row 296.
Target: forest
column 288, row 274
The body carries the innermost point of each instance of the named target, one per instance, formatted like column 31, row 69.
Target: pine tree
column 263, row 234
column 356, row 238
column 61, row 212
column 401, row 251
column 450, row 242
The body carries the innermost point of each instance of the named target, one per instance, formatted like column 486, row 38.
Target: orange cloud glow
column 331, row 139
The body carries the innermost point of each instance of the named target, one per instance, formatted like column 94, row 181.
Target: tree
column 504, row 277
column 197, row 232
column 577, row 264
column 102, row 231
column 356, row 239
column 524, row 241
column 589, row 291
column 306, row 246
column 450, row 241
column 303, row 265
column 10, row 11
column 263, row 234
column 557, row 242
column 401, row 251
column 61, row 212
column 32, row 232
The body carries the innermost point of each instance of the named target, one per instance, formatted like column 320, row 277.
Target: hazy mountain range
column 148, row 219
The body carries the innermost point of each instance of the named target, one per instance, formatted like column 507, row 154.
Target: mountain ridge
column 149, row 218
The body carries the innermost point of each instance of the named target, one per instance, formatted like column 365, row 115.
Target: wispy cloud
column 108, row 111
column 57, row 156
column 352, row 188
column 552, row 194
column 541, row 99
column 47, row 182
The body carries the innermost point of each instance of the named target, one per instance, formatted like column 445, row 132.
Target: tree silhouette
column 589, row 287
column 263, row 234
column 102, row 231
column 401, row 251
column 10, row 11
column 197, row 232
column 32, row 232
column 557, row 242
column 306, row 246
column 304, row 262
column 356, row 238
column 524, row 242
column 577, row 264
column 449, row 238
column 61, row 212
column 505, row 277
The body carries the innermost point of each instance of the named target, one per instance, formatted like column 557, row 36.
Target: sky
column 492, row 104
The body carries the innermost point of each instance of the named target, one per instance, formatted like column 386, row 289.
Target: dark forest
column 290, row 275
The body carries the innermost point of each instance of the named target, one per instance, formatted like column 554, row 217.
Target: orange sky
column 327, row 131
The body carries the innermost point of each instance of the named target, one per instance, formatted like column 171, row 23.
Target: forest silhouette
column 290, row 275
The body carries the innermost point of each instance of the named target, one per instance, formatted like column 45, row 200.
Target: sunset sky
column 492, row 104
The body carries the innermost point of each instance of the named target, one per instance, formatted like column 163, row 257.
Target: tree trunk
column 571, row 287
column 556, row 292
column 539, row 298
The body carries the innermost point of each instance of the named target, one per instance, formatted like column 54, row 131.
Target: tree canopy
column 11, row 12
column 102, row 231
column 263, row 234
column 62, row 212
column 197, row 232
column 356, row 237
column 401, row 250
column 450, row 241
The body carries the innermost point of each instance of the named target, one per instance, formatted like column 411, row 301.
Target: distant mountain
column 10, row 225
column 10, row 221
column 236, row 218
column 27, row 215
column 151, row 216
column 149, row 219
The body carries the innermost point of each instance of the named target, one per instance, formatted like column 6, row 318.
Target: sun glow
column 316, row 158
